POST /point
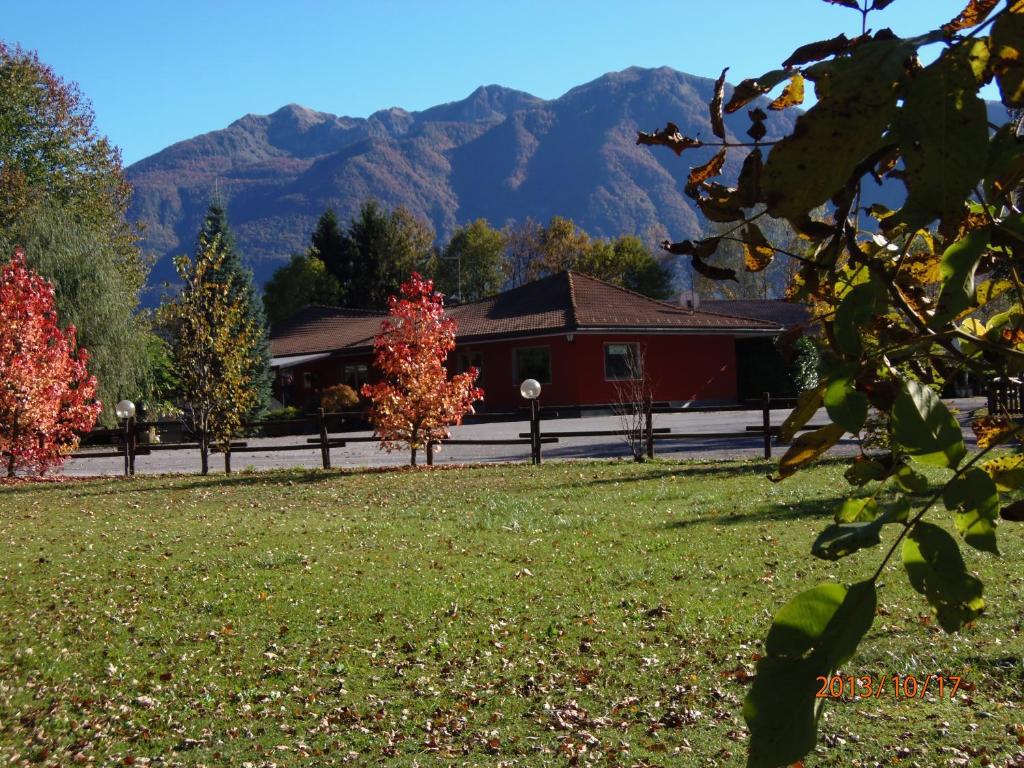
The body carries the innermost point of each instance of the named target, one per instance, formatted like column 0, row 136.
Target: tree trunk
column 204, row 453
column 10, row 466
column 413, row 464
column 227, row 462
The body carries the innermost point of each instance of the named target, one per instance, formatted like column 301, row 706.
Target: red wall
column 680, row 368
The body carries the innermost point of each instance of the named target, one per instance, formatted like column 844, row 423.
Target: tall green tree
column 216, row 234
column 304, row 280
column 470, row 266
column 534, row 251
column 627, row 262
column 214, row 341
column 63, row 197
column 331, row 245
column 386, row 248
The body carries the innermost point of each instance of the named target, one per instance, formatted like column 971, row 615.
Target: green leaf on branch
column 812, row 635
column 975, row 500
column 857, row 510
column 808, row 447
column 925, row 428
column 956, row 271
column 834, row 137
column 863, row 471
column 943, row 132
column 1005, row 168
column 846, row 406
column 910, row 480
column 1007, row 58
column 807, row 404
column 859, row 305
column 936, row 569
column 842, row 539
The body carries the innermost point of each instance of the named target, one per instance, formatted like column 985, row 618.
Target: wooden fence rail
column 535, row 438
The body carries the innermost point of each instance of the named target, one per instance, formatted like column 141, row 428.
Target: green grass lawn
column 575, row 613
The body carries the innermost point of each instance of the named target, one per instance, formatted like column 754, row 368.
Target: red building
column 576, row 335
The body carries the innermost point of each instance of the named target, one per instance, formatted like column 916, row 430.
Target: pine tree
column 215, row 232
column 333, row 248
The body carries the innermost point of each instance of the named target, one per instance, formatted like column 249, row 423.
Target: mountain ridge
column 498, row 153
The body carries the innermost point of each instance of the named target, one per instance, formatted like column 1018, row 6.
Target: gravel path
column 370, row 455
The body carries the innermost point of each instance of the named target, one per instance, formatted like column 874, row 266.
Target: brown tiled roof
column 784, row 313
column 565, row 302
column 324, row 329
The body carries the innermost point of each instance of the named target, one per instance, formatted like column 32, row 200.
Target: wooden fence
column 127, row 444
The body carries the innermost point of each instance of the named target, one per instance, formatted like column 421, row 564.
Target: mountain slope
column 501, row 154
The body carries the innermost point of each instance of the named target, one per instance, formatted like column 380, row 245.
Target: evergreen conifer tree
column 215, row 232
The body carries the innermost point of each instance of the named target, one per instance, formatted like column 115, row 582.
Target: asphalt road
column 370, row 455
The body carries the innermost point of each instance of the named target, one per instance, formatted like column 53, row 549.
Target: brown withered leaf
column 756, row 131
column 749, row 184
column 700, row 248
column 721, row 204
column 757, row 253
column 715, row 107
column 792, row 94
column 886, row 163
column 669, row 137
column 808, row 447
column 975, row 13
column 752, row 87
column 880, row 5
column 845, row 3
column 992, row 430
column 711, row 168
column 712, row 272
column 818, row 50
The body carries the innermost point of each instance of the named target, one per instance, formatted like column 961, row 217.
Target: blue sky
column 160, row 72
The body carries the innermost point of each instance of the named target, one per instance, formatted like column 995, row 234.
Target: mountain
column 500, row 154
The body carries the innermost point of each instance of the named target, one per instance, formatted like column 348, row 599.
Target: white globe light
column 125, row 409
column 530, row 389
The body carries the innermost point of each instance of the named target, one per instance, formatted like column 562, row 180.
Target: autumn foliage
column 416, row 402
column 46, row 396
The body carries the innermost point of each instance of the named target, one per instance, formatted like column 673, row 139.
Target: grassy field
column 575, row 613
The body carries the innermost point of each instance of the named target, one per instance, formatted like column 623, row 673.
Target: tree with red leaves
column 47, row 395
column 416, row 402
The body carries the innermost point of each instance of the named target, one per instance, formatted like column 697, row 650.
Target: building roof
column 784, row 313
column 566, row 302
column 324, row 329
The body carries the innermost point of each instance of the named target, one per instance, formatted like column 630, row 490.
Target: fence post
column 131, row 445
column 325, row 450
column 534, row 432
column 766, row 423
column 430, row 453
column 126, row 447
column 649, row 425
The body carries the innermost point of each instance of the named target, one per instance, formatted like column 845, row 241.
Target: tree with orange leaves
column 416, row 402
column 47, row 396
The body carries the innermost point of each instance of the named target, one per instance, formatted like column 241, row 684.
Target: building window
column 533, row 363
column 307, row 379
column 622, row 362
column 354, row 374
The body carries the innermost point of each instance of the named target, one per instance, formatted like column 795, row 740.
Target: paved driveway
column 369, row 455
